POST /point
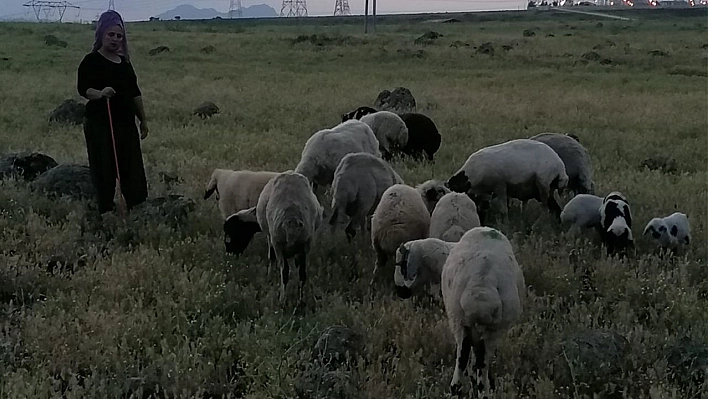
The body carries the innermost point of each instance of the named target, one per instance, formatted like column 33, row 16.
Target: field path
column 592, row 13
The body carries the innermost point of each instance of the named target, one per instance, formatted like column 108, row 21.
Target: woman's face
column 113, row 39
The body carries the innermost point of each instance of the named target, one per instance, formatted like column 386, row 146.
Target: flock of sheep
column 436, row 230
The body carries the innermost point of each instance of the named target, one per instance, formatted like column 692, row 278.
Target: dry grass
column 172, row 315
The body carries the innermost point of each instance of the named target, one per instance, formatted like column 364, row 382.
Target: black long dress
column 97, row 72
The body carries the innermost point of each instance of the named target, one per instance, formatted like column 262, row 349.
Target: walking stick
column 122, row 206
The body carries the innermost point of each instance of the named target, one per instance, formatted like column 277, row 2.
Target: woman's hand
column 143, row 130
column 108, row 92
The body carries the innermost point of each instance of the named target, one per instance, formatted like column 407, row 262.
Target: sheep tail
column 482, row 306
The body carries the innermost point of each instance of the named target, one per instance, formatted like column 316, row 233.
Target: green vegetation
column 154, row 309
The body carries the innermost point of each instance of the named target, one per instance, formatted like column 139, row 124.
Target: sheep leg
column 301, row 262
column 284, row 276
column 481, row 366
column 464, row 345
column 381, row 259
column 502, row 202
column 546, row 196
column 272, row 260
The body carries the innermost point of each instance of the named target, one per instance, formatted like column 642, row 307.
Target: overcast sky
column 143, row 9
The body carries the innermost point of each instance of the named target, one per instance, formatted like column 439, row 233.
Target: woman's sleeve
column 133, row 88
column 87, row 78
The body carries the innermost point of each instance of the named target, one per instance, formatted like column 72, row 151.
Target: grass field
column 171, row 314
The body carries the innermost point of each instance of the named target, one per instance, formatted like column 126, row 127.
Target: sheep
column 616, row 224
column 578, row 165
column 400, row 216
column 483, row 291
column 453, row 215
column 359, row 181
column 423, row 136
column 431, row 191
column 671, row 232
column 236, row 189
column 582, row 212
column 358, row 113
column 325, row 149
column 390, row 131
column 289, row 214
column 523, row 169
column 419, row 262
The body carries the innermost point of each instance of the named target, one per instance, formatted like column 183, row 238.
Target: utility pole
column 49, row 7
column 366, row 16
column 341, row 7
column 235, row 9
column 294, row 8
column 111, row 4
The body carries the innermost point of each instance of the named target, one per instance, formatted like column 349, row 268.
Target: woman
column 105, row 77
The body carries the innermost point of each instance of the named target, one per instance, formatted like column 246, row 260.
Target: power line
column 295, row 8
column 49, row 7
column 235, row 9
column 341, row 7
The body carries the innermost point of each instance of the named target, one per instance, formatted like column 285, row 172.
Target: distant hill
column 188, row 11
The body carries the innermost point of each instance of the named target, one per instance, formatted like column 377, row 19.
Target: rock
column 169, row 178
column 206, row 110
column 658, row 53
column 70, row 111
column 599, row 25
column 25, row 165
column 318, row 383
column 591, row 361
column 660, row 162
column 51, row 40
column 337, row 345
column 458, row 44
column 550, row 35
column 687, row 363
column 591, row 56
column 158, row 50
column 428, row 37
column 606, row 61
column 400, row 101
column 208, row 49
column 486, row 48
column 506, row 47
column 528, row 33
column 173, row 209
column 68, row 179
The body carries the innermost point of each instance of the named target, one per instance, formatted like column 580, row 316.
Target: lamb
column 671, row 232
column 400, row 216
column 289, row 214
column 483, row 290
column 418, row 263
column 582, row 212
column 454, row 215
column 523, row 169
column 389, row 129
column 431, row 191
column 578, row 165
column 325, row 149
column 616, row 224
column 236, row 190
column 358, row 113
column 423, row 136
column 359, row 182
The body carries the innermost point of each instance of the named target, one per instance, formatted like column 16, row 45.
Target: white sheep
column 400, row 216
column 671, row 232
column 431, row 191
column 582, row 212
column 325, row 149
column 359, row 182
column 236, row 189
column 578, row 165
column 289, row 214
column 616, row 223
column 418, row 263
column 453, row 215
column 483, row 290
column 523, row 169
column 390, row 131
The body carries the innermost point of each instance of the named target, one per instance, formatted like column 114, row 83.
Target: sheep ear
column 431, row 194
column 674, row 231
column 648, row 229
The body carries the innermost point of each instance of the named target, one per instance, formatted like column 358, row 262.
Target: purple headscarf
column 107, row 20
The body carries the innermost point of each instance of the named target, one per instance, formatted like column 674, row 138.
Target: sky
column 133, row 10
